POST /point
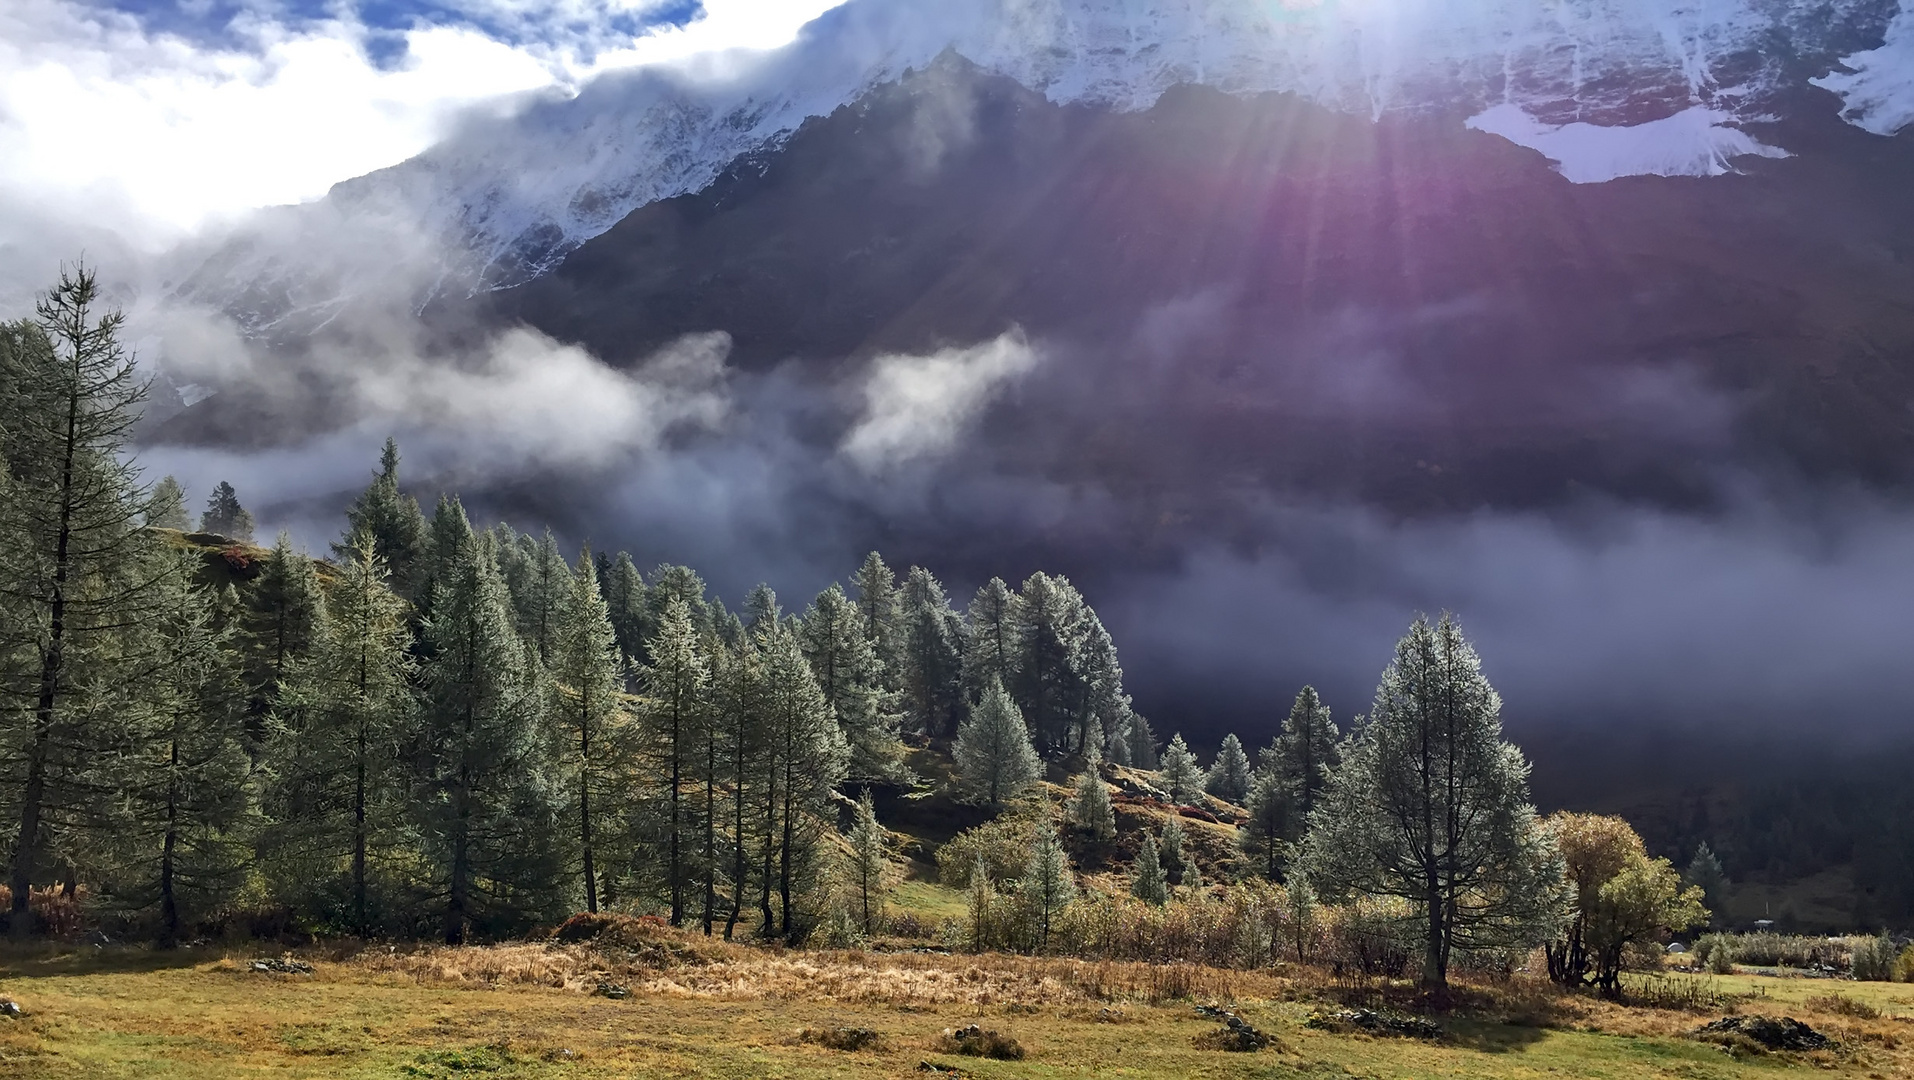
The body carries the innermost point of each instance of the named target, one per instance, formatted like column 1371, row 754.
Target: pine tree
column 990, row 650
column 336, row 757
column 285, row 610
column 78, row 570
column 762, row 612
column 625, row 598
column 877, row 602
column 1228, row 779
column 739, row 696
column 1180, row 774
column 589, row 676
column 541, row 598
column 225, row 517
column 1704, row 872
column 1047, row 886
column 1049, row 615
column 184, row 791
column 490, row 810
column 849, row 674
column 1101, row 702
column 995, row 761
column 1305, row 753
column 391, row 524
column 1139, row 741
column 668, row 583
column 674, row 684
column 931, row 635
column 807, row 756
column 1091, row 810
column 1265, row 836
column 1431, row 805
column 1149, row 883
column 166, row 508
column 869, row 864
column 1170, row 847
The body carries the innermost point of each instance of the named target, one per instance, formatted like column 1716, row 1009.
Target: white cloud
column 918, row 406
column 106, row 125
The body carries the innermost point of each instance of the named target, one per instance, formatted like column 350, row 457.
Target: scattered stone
column 940, row 1070
column 1375, row 1023
column 1236, row 1035
column 1108, row 1015
column 282, row 965
column 11, row 1009
column 613, row 991
column 1772, row 1033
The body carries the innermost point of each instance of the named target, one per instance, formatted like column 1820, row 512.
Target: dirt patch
column 1768, row 1032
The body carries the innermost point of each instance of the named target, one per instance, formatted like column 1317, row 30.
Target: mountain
column 1613, row 87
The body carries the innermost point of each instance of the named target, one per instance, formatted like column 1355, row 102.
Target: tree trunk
column 169, row 904
column 584, row 801
column 677, row 779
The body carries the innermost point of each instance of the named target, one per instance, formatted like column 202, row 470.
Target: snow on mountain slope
column 509, row 196
column 1878, row 90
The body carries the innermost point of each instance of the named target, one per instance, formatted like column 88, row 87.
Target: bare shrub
column 974, row 1041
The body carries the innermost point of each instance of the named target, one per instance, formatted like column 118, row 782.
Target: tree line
column 454, row 728
column 456, row 731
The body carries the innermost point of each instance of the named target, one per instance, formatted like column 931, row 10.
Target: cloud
column 919, row 406
column 124, row 139
column 1782, row 611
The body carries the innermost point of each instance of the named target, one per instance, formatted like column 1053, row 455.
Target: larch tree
column 1169, row 848
column 284, row 610
column 932, row 648
column 869, row 864
column 547, row 589
column 670, row 582
column 877, row 602
column 391, row 524
column 1704, row 871
column 1266, row 836
column 166, row 508
column 624, row 589
column 673, row 685
column 184, row 786
column 807, row 755
column 1305, row 753
column 337, row 776
column 990, row 649
column 1147, row 882
column 1228, row 778
column 831, row 632
column 995, row 761
column 739, row 699
column 1431, row 805
column 224, row 516
column 588, row 672
column 1181, row 777
column 1047, row 886
column 1049, row 624
column 1091, row 808
column 1139, row 742
column 491, row 804
column 78, row 570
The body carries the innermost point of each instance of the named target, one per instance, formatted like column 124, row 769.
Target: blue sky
column 584, row 27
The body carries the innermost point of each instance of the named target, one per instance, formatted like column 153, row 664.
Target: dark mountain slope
column 1260, row 294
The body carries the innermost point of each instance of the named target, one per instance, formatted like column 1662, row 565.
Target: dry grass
column 702, row 1008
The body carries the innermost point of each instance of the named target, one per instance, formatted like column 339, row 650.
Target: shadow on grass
column 1492, row 1038
column 48, row 959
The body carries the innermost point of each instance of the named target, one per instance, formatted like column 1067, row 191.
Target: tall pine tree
column 831, row 632
column 931, row 635
column 587, row 670
column 995, row 761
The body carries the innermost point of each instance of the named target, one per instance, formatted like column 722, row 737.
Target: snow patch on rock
column 1877, row 92
column 1697, row 141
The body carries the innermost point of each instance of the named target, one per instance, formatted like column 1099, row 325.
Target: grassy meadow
column 699, row 1009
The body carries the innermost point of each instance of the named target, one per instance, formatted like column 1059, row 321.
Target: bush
column 974, row 1041
column 1715, row 953
column 842, row 1038
column 1873, row 959
column 1904, row 965
column 1003, row 843
column 1373, row 934
column 1769, row 949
